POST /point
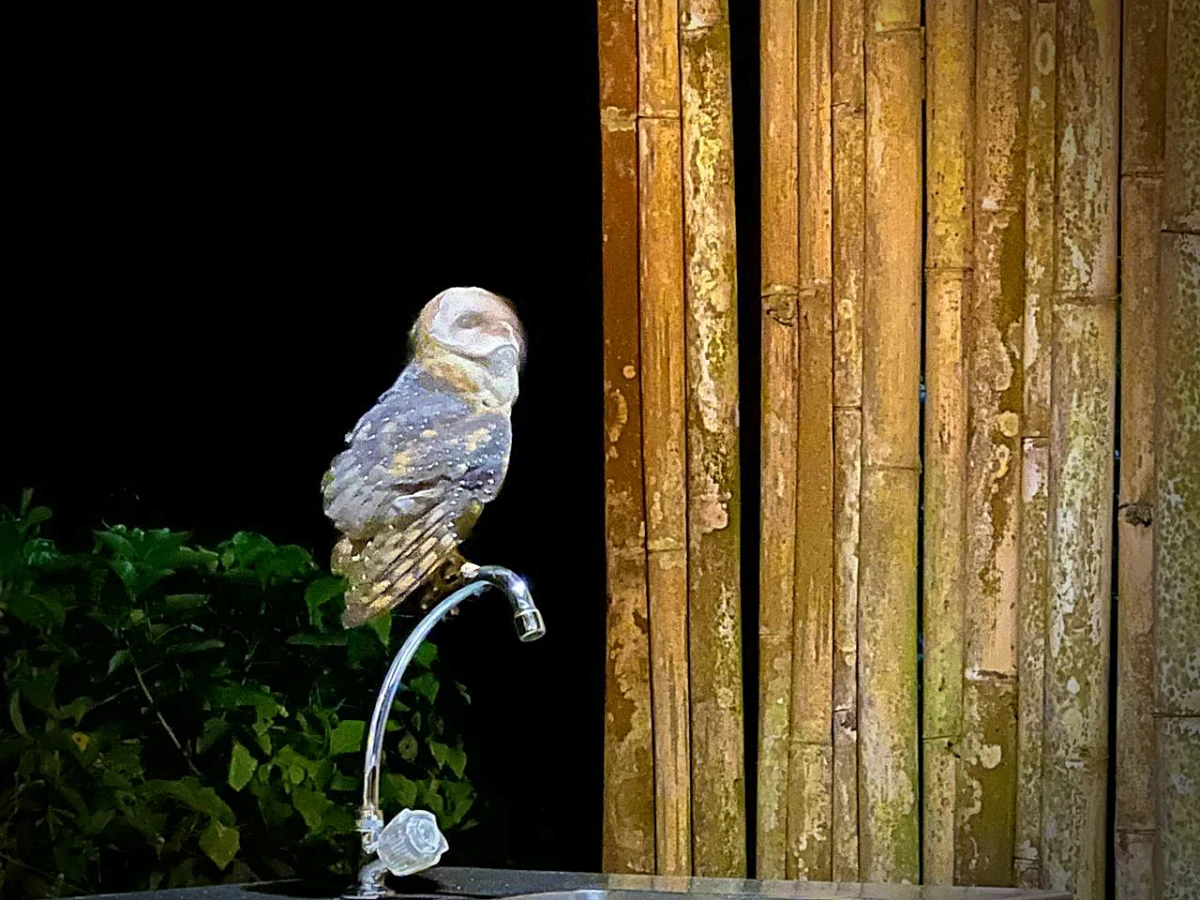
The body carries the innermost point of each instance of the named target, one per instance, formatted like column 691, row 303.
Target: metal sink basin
column 452, row 883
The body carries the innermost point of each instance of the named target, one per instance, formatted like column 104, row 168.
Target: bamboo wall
column 980, row 271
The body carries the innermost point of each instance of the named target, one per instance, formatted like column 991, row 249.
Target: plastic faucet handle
column 411, row 842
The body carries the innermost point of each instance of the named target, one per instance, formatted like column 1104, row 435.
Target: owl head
column 471, row 323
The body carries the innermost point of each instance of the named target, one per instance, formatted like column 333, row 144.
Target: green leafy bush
column 176, row 715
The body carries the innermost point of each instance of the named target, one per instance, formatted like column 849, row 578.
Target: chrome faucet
column 411, row 842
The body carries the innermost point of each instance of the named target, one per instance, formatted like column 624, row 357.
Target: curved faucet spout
column 529, row 627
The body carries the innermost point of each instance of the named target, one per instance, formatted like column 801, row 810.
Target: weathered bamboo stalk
column 889, row 839
column 988, row 767
column 1181, row 180
column 1031, row 641
column 949, row 128
column 1177, row 459
column 811, row 758
column 1177, row 564
column 847, row 436
column 628, row 749
column 1143, row 83
column 1081, row 448
column 848, row 100
column 1033, row 597
column 714, row 588
column 780, row 278
column 660, row 178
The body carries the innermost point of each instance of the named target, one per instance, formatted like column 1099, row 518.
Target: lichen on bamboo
column 714, row 588
column 1082, row 426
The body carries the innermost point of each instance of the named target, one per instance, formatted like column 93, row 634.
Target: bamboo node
column 1138, row 513
column 1075, row 298
column 613, row 118
column 781, row 307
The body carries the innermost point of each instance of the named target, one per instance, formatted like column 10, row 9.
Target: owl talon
column 468, row 570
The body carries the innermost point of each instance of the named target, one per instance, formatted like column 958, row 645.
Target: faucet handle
column 411, row 842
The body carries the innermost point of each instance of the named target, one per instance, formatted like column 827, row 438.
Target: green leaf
column 440, row 752
column 231, row 696
column 382, row 626
column 191, row 793
column 38, row 515
column 426, row 685
column 220, row 842
column 399, row 790
column 312, row 806
column 117, row 543
column 41, row 610
column 408, row 747
column 120, row 658
column 347, row 737
column 317, row 640
column 14, row 713
column 319, row 593
column 456, row 759
column 459, row 798
column 194, row 647
column 425, row 654
column 181, row 602
column 242, row 765
column 214, row 729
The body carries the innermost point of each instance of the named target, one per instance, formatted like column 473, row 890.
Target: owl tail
column 421, row 561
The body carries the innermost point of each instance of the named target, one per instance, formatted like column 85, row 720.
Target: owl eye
column 469, row 320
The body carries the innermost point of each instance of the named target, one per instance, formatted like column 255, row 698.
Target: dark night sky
column 225, row 228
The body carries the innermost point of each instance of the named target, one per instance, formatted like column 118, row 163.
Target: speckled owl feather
column 421, row 464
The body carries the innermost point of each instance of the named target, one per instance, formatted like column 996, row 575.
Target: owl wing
column 408, row 489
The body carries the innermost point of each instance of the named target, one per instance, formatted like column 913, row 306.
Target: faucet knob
column 411, row 842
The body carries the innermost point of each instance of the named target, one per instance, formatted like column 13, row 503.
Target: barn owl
column 421, row 464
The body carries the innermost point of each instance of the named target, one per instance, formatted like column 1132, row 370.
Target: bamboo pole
column 1081, row 448
column 1177, row 457
column 1177, row 570
column 628, row 751
column 949, row 127
column 663, row 427
column 848, row 101
column 987, row 772
column 780, row 277
column 1143, row 83
column 811, row 757
column 718, row 776
column 887, row 665
column 1033, row 591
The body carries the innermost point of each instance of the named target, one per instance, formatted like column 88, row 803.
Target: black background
column 225, row 224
